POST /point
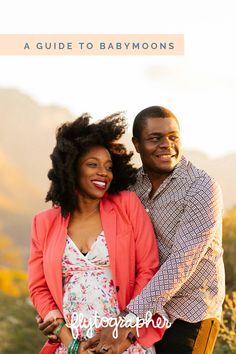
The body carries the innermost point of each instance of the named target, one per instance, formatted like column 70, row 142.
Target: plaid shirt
column 186, row 213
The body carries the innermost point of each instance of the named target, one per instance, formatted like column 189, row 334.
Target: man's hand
column 107, row 343
column 47, row 328
column 83, row 350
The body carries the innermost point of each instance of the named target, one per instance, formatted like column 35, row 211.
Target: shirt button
column 147, row 210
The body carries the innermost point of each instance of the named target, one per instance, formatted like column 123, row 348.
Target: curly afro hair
column 73, row 140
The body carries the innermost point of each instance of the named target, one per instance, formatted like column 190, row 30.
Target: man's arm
column 197, row 228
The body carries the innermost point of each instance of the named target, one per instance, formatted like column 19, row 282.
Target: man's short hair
column 150, row 112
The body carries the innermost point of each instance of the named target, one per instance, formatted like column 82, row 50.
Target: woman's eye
column 92, row 164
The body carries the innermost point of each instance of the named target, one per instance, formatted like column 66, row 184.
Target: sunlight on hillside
column 10, row 254
column 13, row 280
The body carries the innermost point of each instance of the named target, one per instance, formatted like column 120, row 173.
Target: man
column 185, row 206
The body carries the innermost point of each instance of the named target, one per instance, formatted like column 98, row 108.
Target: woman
column 95, row 248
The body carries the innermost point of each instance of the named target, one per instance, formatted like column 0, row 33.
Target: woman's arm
column 38, row 288
column 65, row 334
column 39, row 291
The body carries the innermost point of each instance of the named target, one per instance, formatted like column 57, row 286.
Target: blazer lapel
column 108, row 218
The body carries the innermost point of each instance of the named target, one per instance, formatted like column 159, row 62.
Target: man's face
column 159, row 145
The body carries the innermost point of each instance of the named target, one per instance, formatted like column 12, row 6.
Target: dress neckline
column 76, row 247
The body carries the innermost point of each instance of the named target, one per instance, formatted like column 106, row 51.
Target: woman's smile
column 100, row 184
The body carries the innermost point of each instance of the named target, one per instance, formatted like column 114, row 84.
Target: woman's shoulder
column 124, row 198
column 45, row 222
column 48, row 214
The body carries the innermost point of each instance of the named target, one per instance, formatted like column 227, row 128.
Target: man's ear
column 136, row 144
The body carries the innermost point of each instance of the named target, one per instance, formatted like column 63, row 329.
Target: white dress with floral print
column 89, row 289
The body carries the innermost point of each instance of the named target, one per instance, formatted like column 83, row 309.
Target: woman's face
column 94, row 173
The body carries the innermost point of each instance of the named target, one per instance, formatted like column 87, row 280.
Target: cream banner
column 91, row 44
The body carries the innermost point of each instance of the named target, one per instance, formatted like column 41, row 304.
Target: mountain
column 18, row 194
column 19, row 197
column 27, row 132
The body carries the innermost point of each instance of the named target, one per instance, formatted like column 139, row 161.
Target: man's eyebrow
column 161, row 134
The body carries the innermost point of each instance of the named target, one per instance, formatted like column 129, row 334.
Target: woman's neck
column 87, row 207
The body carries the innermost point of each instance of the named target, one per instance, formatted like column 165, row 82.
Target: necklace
column 91, row 213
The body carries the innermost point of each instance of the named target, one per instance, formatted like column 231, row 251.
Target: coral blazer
column 132, row 248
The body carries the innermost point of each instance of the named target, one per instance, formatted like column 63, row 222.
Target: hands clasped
column 102, row 342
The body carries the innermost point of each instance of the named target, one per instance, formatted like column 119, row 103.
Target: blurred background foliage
column 18, row 330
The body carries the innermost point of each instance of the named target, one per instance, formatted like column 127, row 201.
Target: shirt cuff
column 141, row 308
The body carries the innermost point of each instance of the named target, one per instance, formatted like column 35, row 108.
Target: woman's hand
column 104, row 341
column 47, row 328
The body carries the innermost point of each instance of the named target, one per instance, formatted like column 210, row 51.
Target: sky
column 199, row 87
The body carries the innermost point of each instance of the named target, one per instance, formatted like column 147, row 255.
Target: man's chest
column 165, row 210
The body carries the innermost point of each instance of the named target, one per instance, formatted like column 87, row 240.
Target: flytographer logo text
column 96, row 322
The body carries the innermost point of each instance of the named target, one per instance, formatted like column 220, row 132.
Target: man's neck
column 156, row 180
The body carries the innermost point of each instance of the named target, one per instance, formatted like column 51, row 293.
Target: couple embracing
column 121, row 243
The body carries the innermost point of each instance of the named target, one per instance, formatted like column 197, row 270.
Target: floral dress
column 89, row 291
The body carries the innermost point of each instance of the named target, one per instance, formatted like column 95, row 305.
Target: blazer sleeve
column 38, row 288
column 146, row 248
